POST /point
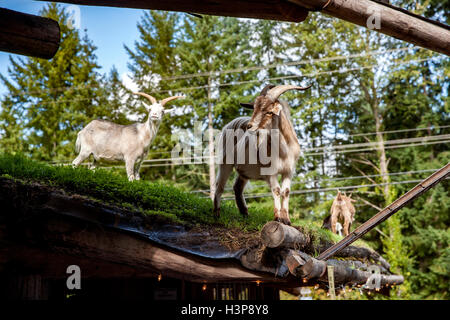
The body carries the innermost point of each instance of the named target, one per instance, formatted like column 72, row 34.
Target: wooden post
column 275, row 234
column 331, row 289
column 28, row 34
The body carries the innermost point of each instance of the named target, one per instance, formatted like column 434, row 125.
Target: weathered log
column 294, row 262
column 315, row 269
column 278, row 235
column 264, row 9
column 394, row 21
column 360, row 253
column 312, row 269
column 28, row 34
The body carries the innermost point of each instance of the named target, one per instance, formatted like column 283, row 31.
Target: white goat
column 268, row 114
column 111, row 142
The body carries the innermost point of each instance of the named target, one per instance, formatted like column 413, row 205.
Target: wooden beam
column 28, row 34
column 394, row 21
column 281, row 10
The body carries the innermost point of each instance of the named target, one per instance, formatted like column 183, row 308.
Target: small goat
column 342, row 209
column 111, row 142
column 269, row 114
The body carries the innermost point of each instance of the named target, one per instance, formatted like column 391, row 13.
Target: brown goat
column 342, row 209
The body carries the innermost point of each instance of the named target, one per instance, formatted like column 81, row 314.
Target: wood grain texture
column 28, row 34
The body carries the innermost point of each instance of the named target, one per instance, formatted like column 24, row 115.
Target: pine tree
column 53, row 99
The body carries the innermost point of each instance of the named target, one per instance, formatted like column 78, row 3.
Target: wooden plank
column 384, row 214
column 28, row 34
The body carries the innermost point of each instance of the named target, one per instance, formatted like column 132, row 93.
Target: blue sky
column 108, row 28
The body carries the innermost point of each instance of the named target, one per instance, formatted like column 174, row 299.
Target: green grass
column 148, row 197
column 151, row 198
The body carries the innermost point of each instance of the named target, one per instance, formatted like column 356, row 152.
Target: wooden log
column 28, row 34
column 312, row 269
column 315, row 269
column 294, row 262
column 278, row 235
column 394, row 21
column 258, row 9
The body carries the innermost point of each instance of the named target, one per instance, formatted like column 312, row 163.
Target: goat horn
column 149, row 97
column 266, row 89
column 164, row 101
column 276, row 92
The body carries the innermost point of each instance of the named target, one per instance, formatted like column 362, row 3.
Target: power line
column 310, row 75
column 375, row 148
column 306, row 154
column 375, row 143
column 242, row 69
column 334, row 179
column 295, row 192
column 313, row 74
column 285, row 64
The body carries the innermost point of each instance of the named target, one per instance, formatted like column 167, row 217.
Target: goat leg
column 238, row 188
column 129, row 165
column 276, row 193
column 222, row 177
column 285, row 189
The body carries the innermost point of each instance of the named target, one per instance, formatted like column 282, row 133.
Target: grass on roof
column 152, row 198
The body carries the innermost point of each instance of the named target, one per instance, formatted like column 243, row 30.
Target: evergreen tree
column 49, row 101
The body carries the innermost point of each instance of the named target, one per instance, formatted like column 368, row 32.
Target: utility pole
column 212, row 171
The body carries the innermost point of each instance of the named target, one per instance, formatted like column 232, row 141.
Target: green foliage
column 50, row 100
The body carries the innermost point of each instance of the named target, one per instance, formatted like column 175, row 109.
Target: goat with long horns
column 112, row 142
column 260, row 148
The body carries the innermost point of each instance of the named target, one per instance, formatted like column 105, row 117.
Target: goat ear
column 169, row 110
column 147, row 106
column 247, row 105
column 277, row 109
